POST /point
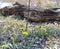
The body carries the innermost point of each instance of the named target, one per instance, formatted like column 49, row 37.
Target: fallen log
column 32, row 14
column 46, row 15
column 17, row 9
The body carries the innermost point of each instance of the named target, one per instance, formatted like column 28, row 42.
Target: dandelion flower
column 37, row 27
column 25, row 33
column 44, row 29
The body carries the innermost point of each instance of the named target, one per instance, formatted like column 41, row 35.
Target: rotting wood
column 34, row 14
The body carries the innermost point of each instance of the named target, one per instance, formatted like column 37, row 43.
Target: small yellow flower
column 37, row 27
column 44, row 29
column 25, row 33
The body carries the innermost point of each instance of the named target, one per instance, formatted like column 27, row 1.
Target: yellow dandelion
column 25, row 33
column 37, row 27
column 44, row 29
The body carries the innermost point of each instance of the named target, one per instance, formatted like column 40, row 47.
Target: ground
column 21, row 34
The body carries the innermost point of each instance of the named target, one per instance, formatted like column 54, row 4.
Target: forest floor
column 21, row 34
